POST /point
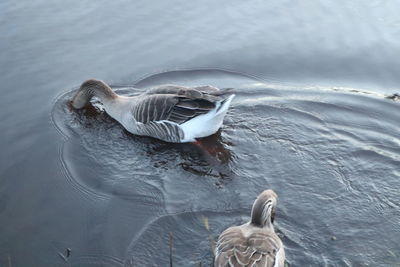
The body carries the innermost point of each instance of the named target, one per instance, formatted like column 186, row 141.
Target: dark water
column 310, row 121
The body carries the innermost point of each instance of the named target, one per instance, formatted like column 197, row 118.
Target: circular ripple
column 331, row 156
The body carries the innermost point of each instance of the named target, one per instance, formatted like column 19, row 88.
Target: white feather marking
column 206, row 124
column 280, row 257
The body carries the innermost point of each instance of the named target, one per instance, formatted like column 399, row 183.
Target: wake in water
column 332, row 156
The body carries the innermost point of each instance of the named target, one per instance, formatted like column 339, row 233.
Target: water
column 310, row 121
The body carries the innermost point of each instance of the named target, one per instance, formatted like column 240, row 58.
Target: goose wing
column 236, row 250
column 177, row 107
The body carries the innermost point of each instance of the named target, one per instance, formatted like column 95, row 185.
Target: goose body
column 170, row 113
column 253, row 244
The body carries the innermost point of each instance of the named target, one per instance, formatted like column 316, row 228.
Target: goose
column 170, row 113
column 254, row 243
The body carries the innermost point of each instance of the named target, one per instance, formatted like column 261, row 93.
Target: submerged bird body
column 255, row 243
column 170, row 113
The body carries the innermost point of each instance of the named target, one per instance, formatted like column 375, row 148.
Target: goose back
column 247, row 245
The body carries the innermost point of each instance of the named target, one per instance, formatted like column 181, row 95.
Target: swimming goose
column 171, row 113
column 254, row 243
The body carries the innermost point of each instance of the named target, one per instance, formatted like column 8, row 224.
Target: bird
column 171, row 113
column 254, row 243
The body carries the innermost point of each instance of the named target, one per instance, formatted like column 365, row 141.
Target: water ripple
column 331, row 155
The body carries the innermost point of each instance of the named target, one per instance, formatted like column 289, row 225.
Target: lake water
column 311, row 120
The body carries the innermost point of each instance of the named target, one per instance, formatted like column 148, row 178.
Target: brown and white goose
column 171, row 113
column 253, row 244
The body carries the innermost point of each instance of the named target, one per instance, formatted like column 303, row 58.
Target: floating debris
column 394, row 97
column 171, row 244
column 205, row 222
column 68, row 252
column 392, row 253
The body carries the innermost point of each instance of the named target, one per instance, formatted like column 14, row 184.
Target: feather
column 250, row 244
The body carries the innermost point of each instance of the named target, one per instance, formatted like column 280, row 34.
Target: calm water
column 310, row 121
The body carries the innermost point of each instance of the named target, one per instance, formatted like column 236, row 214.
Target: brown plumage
column 254, row 243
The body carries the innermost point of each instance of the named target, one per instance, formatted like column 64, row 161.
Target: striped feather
column 250, row 244
column 173, row 108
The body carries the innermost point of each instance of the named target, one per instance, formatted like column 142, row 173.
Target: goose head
column 263, row 211
column 91, row 88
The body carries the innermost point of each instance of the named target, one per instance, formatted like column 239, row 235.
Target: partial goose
column 254, row 243
column 171, row 113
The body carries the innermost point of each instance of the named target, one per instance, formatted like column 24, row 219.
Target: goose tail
column 224, row 104
column 206, row 124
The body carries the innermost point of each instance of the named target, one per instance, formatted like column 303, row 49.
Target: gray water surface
column 310, row 120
